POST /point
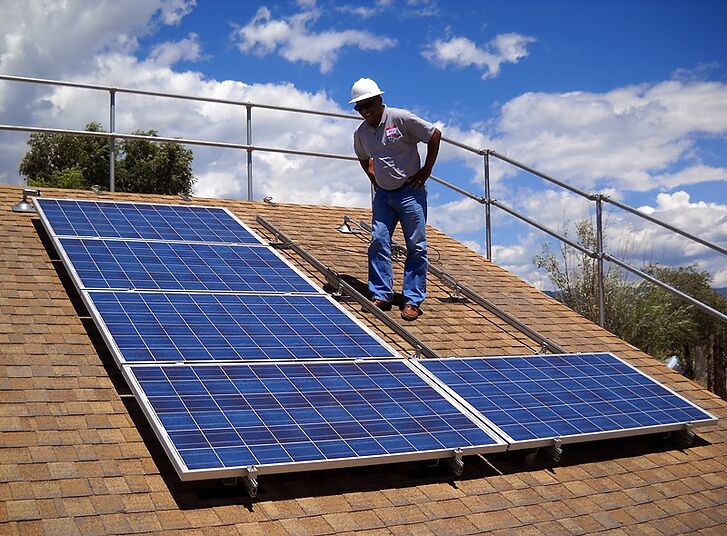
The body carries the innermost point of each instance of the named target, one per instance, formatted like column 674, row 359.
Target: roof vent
column 26, row 205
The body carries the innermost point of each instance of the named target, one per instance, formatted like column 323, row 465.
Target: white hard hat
column 364, row 88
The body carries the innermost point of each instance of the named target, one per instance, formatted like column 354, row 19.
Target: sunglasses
column 365, row 105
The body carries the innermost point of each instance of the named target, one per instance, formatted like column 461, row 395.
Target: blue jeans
column 407, row 206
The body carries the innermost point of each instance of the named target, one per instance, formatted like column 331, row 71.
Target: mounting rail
column 480, row 300
column 422, row 349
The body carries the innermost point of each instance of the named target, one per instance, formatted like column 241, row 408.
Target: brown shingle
column 499, row 519
column 73, row 460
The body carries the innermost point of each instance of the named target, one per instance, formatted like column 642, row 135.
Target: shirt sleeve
column 358, row 147
column 417, row 128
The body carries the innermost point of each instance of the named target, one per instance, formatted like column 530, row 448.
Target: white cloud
column 632, row 138
column 221, row 173
column 169, row 53
column 639, row 241
column 703, row 219
column 293, row 39
column 629, row 138
column 691, row 175
column 462, row 52
column 173, row 11
column 457, row 217
column 518, row 259
column 365, row 12
column 474, row 246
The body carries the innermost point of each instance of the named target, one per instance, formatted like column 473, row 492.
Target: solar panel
column 296, row 416
column 573, row 397
column 140, row 265
column 98, row 219
column 159, row 327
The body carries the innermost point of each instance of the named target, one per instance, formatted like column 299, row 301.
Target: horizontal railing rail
column 637, row 212
column 184, row 141
column 487, row 201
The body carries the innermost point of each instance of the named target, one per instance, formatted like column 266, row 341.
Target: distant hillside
column 722, row 290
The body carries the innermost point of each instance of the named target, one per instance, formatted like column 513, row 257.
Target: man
column 386, row 146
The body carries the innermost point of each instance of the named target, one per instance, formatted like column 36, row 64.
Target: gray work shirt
column 392, row 145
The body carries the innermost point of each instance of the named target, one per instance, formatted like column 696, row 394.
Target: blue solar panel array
column 240, row 415
column 143, row 221
column 561, row 396
column 162, row 327
column 238, row 360
column 122, row 264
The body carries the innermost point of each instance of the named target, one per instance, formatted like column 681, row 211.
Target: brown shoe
column 383, row 305
column 410, row 312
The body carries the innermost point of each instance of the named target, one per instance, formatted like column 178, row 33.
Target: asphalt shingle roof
column 78, row 457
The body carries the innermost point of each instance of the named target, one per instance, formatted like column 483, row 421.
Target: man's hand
column 419, row 178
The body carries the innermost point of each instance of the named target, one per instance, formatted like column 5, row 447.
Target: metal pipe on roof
column 112, row 141
column 488, row 210
column 170, row 95
column 184, row 141
column 480, row 300
column 543, row 228
column 250, row 148
column 457, row 189
column 462, row 145
column 685, row 234
column 334, row 278
column 249, row 152
column 704, row 307
column 599, row 263
column 541, row 175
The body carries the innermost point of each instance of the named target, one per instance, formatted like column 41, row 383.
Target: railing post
column 599, row 262
column 112, row 141
column 488, row 230
column 249, row 151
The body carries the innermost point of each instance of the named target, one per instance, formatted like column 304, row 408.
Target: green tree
column 664, row 324
column 575, row 277
column 160, row 168
column 68, row 161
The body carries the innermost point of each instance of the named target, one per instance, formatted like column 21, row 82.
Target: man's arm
column 419, row 178
column 368, row 167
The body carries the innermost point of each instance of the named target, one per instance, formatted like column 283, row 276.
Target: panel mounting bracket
column 455, row 294
column 250, row 481
column 686, row 436
column 555, row 450
column 456, row 462
column 338, row 293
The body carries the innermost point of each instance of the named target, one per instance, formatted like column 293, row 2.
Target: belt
column 406, row 183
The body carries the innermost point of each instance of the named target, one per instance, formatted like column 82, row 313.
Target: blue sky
column 626, row 98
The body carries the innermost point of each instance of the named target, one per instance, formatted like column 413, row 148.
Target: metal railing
column 487, row 201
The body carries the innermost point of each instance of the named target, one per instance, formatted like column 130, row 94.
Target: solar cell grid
column 561, row 396
column 142, row 221
column 156, row 326
column 102, row 264
column 237, row 415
